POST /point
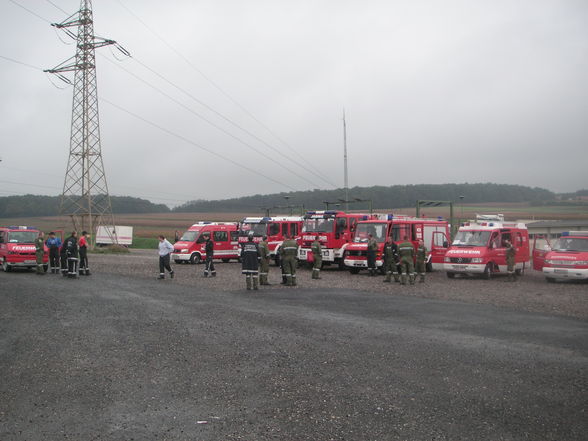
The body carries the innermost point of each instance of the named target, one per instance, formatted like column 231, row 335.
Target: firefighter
column 406, row 251
column 279, row 254
column 83, row 244
column 69, row 256
column 421, row 257
column 250, row 261
column 372, row 249
column 510, row 261
column 40, row 252
column 53, row 243
column 264, row 256
column 289, row 252
column 388, row 253
column 317, row 253
column 396, row 269
column 164, row 249
column 209, row 264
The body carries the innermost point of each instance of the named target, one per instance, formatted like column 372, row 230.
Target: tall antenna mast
column 85, row 198
column 345, row 173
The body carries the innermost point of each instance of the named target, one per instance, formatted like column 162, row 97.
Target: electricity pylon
column 85, row 198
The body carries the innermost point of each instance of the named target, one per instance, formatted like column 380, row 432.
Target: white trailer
column 108, row 235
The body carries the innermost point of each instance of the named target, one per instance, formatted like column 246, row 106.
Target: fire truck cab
column 335, row 231
column 565, row 259
column 276, row 229
column 191, row 246
column 17, row 248
column 433, row 232
column 479, row 247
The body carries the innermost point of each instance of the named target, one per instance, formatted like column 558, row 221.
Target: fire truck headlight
column 447, row 259
column 581, row 262
column 477, row 260
column 184, row 250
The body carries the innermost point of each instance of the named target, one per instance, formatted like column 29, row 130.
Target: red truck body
column 190, row 247
column 276, row 228
column 17, row 248
column 564, row 259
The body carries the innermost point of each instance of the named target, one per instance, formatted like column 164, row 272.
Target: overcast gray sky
column 434, row 92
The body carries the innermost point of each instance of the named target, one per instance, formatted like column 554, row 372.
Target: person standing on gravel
column 389, row 259
column 264, row 255
column 317, row 254
column 421, row 257
column 53, row 243
column 39, row 253
column 83, row 244
column 372, row 249
column 510, row 260
column 250, row 261
column 209, row 269
column 289, row 252
column 165, row 249
column 406, row 251
column 69, row 256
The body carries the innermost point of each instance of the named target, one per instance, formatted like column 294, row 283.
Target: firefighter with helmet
column 250, row 261
column 39, row 253
column 406, row 251
column 372, row 249
column 69, row 256
column 390, row 254
column 264, row 255
column 511, row 253
column 317, row 253
column 421, row 258
column 289, row 252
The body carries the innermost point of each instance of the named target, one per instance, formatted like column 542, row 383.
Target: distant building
column 553, row 229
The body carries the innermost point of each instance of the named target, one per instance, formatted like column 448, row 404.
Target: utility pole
column 85, row 198
column 345, row 172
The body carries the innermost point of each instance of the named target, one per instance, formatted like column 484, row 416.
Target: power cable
column 28, row 10
column 62, row 10
column 227, row 95
column 21, row 63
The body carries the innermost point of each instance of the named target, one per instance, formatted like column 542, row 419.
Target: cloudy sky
column 226, row 98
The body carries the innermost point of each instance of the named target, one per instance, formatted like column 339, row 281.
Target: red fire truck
column 190, row 247
column 17, row 248
column 335, row 231
column 433, row 232
column 565, row 259
column 276, row 228
column 479, row 247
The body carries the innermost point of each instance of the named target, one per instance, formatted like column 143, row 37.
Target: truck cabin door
column 499, row 246
column 438, row 246
column 541, row 246
column 294, row 229
column 285, row 230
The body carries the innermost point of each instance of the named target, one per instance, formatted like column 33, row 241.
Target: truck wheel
column 450, row 275
column 429, row 267
column 177, row 261
column 226, row 260
column 550, row 279
column 195, row 259
column 45, row 268
column 354, row 270
column 487, row 274
column 7, row 268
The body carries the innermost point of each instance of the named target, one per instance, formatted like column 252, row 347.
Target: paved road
column 119, row 358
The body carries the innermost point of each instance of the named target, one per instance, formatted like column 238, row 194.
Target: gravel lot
column 530, row 293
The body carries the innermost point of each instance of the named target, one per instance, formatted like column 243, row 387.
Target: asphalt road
column 125, row 358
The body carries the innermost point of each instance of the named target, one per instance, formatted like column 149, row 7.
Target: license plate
column 560, row 271
column 459, row 266
column 302, row 253
column 30, row 261
column 358, row 264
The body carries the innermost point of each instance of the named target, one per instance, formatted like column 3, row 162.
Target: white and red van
column 565, row 259
column 276, row 228
column 433, row 232
column 17, row 248
column 479, row 247
column 191, row 246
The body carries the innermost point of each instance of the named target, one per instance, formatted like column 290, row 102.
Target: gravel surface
column 122, row 356
column 530, row 293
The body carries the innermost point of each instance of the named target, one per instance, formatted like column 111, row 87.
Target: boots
column 411, row 278
column 422, row 278
column 255, row 285
column 248, row 281
column 388, row 278
column 403, row 278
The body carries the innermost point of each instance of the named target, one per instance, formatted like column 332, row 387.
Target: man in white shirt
column 165, row 249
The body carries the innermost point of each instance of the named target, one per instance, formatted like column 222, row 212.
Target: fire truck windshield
column 570, row 244
column 319, row 225
column 190, row 236
column 471, row 238
column 22, row 236
column 378, row 230
column 259, row 229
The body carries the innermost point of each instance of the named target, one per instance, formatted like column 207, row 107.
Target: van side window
column 201, row 238
column 220, row 236
column 294, row 229
column 284, row 229
column 518, row 240
column 274, row 229
column 2, row 237
column 504, row 237
column 234, row 236
column 399, row 231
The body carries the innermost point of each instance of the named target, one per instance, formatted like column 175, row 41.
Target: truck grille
column 357, row 253
column 461, row 260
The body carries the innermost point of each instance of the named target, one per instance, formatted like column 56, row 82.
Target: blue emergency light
column 565, row 233
column 364, row 218
column 265, row 219
column 439, row 218
column 330, row 212
column 311, row 212
column 491, row 224
column 390, row 216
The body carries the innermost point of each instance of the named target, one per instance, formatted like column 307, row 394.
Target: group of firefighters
column 69, row 258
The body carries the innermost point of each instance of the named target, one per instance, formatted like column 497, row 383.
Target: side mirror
column 445, row 244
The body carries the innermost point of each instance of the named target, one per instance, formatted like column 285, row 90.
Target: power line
column 62, row 10
column 233, row 100
column 195, row 144
column 28, row 10
column 21, row 63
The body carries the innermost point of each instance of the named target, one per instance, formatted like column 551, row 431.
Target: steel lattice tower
column 85, row 197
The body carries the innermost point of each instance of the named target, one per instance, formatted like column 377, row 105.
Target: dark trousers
column 164, row 264
column 371, row 260
column 209, row 267
column 54, row 259
column 84, row 261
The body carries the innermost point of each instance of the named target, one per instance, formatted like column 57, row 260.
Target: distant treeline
column 395, row 196
column 33, row 205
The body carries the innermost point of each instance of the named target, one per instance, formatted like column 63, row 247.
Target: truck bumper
column 469, row 268
column 565, row 273
column 182, row 256
column 352, row 263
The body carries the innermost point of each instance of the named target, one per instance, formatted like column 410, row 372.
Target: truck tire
column 195, row 259
column 354, row 270
column 429, row 267
column 7, row 268
column 450, row 275
column 520, row 271
column 550, row 279
column 226, row 260
column 487, row 274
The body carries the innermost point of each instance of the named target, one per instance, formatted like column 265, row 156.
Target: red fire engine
column 17, row 248
column 335, row 231
column 433, row 232
column 191, row 246
column 276, row 228
column 565, row 259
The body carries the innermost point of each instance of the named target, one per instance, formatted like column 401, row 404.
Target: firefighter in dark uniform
column 406, row 251
column 421, row 258
column 389, row 254
column 511, row 252
column 372, row 249
column 53, row 243
column 264, row 256
column 289, row 252
column 396, row 270
column 39, row 253
column 69, row 256
column 279, row 255
column 83, row 245
column 317, row 253
column 250, row 261
column 208, row 263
